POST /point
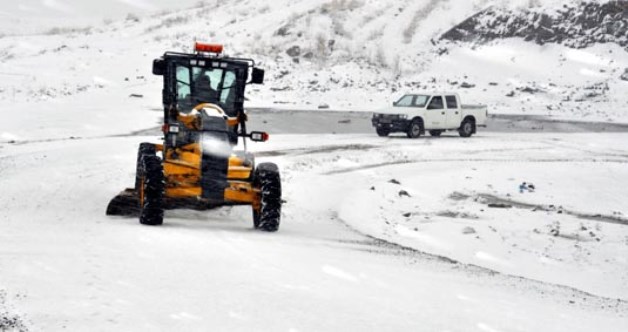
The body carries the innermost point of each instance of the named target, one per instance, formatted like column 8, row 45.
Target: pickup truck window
column 451, row 101
column 436, row 103
column 405, row 101
column 421, row 100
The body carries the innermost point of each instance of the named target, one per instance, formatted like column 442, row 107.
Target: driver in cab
column 204, row 90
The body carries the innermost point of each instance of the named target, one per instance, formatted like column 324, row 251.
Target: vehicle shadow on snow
column 429, row 138
column 211, row 220
column 237, row 219
column 204, row 224
column 210, row 226
column 214, row 219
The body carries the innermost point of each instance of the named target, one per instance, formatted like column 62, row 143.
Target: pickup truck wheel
column 435, row 133
column 467, row 128
column 382, row 132
column 415, row 130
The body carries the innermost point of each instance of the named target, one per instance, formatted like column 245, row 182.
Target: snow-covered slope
column 347, row 54
column 37, row 16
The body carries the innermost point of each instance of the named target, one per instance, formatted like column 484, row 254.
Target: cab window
column 451, row 101
column 216, row 85
column 436, row 103
column 183, row 82
column 228, row 87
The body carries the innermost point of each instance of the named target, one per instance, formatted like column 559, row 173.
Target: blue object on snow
column 523, row 187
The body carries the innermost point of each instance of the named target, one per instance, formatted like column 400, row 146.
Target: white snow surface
column 347, row 257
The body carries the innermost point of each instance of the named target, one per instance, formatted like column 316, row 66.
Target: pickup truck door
column 435, row 115
column 454, row 113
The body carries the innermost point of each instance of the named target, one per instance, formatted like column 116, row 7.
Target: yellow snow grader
column 197, row 165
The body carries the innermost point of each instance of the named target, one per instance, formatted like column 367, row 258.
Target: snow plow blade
column 127, row 203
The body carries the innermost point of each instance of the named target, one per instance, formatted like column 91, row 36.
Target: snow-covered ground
column 571, row 230
column 345, row 257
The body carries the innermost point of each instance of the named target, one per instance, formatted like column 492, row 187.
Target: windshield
column 196, row 85
column 412, row 101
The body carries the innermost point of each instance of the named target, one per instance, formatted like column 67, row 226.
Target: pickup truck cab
column 414, row 114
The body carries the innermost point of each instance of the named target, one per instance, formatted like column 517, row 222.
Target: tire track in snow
column 492, row 199
column 397, row 249
column 323, row 149
column 142, row 132
column 579, row 148
column 391, row 248
column 70, row 138
column 529, row 160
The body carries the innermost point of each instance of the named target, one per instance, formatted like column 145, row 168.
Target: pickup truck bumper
column 392, row 124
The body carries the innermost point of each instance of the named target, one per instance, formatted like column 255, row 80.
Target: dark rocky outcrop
column 294, row 51
column 573, row 26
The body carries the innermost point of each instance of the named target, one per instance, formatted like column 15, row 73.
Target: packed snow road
column 352, row 252
column 321, row 121
column 340, row 122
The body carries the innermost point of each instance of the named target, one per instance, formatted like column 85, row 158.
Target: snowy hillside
column 346, row 54
column 37, row 16
column 577, row 25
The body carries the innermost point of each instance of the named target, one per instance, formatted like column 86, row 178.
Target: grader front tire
column 151, row 191
column 268, row 181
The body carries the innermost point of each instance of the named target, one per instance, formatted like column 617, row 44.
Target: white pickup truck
column 414, row 114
